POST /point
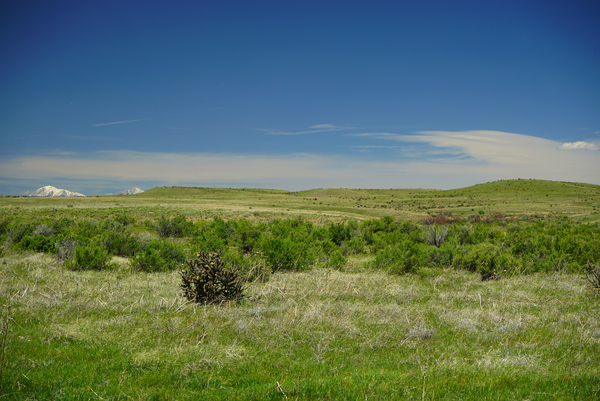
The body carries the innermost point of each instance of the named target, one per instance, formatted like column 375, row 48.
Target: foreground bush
column 206, row 280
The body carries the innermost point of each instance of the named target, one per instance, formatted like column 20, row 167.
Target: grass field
column 355, row 333
column 515, row 197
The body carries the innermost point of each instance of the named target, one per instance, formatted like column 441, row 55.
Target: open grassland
column 513, row 197
column 439, row 334
column 350, row 294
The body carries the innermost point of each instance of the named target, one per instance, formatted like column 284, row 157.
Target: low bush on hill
column 176, row 227
column 488, row 260
column 89, row 257
column 65, row 248
column 38, row 243
column 251, row 266
column 400, row 258
column 158, row 256
column 120, row 243
column 285, row 254
column 16, row 232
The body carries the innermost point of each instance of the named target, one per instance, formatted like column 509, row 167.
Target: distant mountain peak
column 50, row 191
column 132, row 191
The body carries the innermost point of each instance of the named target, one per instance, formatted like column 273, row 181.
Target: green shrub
column 44, row 230
column 440, row 257
column 592, row 273
column 38, row 243
column 251, row 266
column 247, row 235
column 207, row 240
column 91, row 257
column 353, row 246
column 382, row 240
column 336, row 260
column 124, row 220
column 488, row 260
column 65, row 248
column 221, row 228
column 285, row 254
column 401, row 258
column 339, row 233
column 158, row 256
column 86, row 229
column 177, row 227
column 112, row 226
column 205, row 279
column 62, row 225
column 17, row 232
column 121, row 244
column 435, row 234
column 4, row 225
column 327, row 246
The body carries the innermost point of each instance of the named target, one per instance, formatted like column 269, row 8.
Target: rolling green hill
column 516, row 197
column 511, row 197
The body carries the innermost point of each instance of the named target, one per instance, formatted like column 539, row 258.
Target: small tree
column 205, row 279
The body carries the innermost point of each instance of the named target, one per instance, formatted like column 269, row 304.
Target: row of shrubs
column 492, row 247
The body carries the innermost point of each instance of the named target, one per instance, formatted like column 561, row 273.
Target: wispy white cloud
column 122, row 122
column 313, row 129
column 27, row 136
column 91, row 138
column 454, row 159
column 482, row 147
column 578, row 145
column 328, row 127
column 498, row 155
column 372, row 147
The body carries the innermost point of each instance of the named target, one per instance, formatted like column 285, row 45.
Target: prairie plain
column 353, row 329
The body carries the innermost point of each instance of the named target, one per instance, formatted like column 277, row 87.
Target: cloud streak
column 313, row 129
column 454, row 159
column 122, row 122
column 91, row 138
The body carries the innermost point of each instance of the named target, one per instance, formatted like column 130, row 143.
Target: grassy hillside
column 513, row 197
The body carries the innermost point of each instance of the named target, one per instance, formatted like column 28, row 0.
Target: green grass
column 314, row 335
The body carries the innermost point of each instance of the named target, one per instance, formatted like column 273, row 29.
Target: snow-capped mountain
column 49, row 190
column 132, row 191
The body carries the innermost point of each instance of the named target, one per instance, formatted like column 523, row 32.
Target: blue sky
column 97, row 97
